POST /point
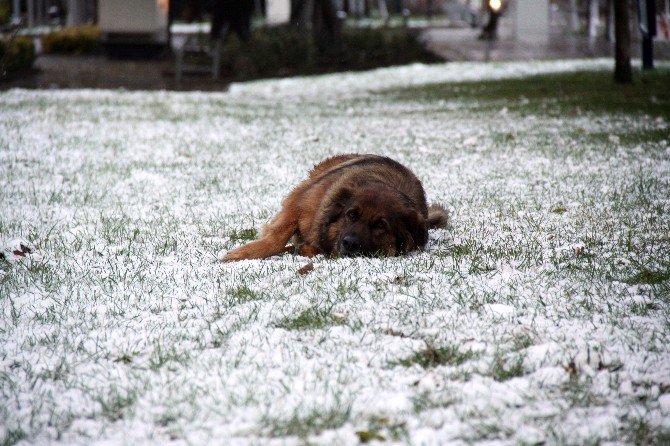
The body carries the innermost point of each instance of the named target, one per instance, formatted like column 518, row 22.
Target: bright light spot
column 495, row 5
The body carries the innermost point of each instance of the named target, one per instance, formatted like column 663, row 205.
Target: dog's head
column 372, row 220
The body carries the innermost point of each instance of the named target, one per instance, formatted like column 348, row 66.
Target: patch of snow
column 119, row 326
column 664, row 403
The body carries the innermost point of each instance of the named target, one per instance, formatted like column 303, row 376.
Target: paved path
column 461, row 44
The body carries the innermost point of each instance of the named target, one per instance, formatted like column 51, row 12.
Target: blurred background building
column 590, row 17
column 74, row 40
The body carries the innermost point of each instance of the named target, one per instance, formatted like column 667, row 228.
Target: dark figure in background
column 231, row 15
column 490, row 30
column 192, row 11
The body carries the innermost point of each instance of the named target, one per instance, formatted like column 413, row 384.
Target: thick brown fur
column 350, row 205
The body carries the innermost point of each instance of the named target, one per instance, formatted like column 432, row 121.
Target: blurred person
column 231, row 15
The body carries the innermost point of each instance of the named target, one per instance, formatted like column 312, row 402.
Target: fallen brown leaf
column 306, row 269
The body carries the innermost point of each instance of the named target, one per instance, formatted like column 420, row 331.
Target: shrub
column 281, row 51
column 5, row 12
column 377, row 47
column 270, row 52
column 16, row 55
column 75, row 40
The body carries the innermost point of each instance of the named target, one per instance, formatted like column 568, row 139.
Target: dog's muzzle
column 350, row 245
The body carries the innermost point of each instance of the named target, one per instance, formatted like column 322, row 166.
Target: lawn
column 541, row 315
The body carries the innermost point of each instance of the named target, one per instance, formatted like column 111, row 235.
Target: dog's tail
column 438, row 217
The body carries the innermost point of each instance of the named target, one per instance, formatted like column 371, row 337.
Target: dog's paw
column 258, row 249
column 233, row 256
column 308, row 250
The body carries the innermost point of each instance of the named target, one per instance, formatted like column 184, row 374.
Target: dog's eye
column 379, row 224
column 352, row 215
column 333, row 217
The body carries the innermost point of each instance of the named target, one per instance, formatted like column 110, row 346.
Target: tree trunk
column 30, row 13
column 325, row 25
column 623, row 73
column 298, row 12
column 594, row 18
column 574, row 16
column 609, row 32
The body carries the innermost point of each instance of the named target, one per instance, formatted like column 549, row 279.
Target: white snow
column 664, row 402
column 119, row 326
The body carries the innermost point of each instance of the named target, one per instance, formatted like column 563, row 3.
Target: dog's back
column 358, row 170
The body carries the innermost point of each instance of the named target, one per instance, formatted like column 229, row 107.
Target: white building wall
column 132, row 16
column 531, row 20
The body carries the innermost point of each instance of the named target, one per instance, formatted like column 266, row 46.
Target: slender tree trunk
column 297, row 12
column 623, row 73
column 609, row 33
column 574, row 16
column 16, row 10
column 30, row 13
column 326, row 26
column 594, row 18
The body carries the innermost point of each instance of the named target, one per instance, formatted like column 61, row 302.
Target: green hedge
column 16, row 55
column 5, row 11
column 74, row 40
column 281, row 51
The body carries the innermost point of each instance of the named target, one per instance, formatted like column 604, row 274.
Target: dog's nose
column 350, row 244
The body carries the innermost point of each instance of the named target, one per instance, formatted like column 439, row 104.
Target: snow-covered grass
column 540, row 316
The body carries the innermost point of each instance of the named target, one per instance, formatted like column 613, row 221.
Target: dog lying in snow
column 350, row 205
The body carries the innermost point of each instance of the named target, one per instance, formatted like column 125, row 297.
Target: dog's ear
column 413, row 232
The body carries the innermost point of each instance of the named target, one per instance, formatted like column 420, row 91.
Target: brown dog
column 350, row 205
